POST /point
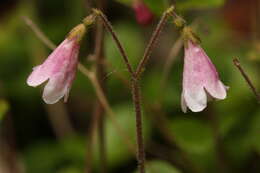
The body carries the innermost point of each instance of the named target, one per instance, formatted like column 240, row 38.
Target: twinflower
column 59, row 69
column 200, row 77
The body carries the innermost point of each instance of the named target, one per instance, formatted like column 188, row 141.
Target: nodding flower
column 59, row 69
column 200, row 79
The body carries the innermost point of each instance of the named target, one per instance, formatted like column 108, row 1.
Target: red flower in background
column 143, row 14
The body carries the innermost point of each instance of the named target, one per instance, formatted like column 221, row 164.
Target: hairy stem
column 135, row 94
column 139, row 131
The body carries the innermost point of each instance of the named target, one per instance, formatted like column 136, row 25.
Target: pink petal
column 216, row 90
column 52, row 64
column 199, row 76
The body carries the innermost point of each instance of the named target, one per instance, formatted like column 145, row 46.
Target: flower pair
column 200, row 77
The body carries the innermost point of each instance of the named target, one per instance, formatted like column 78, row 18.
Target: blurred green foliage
column 160, row 166
column 237, row 117
column 159, row 6
column 4, row 107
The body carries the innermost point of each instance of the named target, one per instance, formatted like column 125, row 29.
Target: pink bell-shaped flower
column 200, row 79
column 143, row 14
column 59, row 68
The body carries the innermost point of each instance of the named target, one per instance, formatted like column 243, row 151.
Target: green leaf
column 160, row 166
column 4, row 107
column 198, row 4
column 192, row 135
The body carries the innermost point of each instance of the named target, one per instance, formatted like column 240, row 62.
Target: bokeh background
column 63, row 138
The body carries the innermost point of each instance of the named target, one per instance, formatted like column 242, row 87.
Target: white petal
column 55, row 89
column 196, row 100
column 37, row 77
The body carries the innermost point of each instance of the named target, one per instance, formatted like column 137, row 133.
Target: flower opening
column 200, row 79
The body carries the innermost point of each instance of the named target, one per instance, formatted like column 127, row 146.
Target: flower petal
column 51, row 65
column 216, row 89
column 196, row 99
column 38, row 76
column 55, row 89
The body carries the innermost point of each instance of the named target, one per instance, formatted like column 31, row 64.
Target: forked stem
column 135, row 76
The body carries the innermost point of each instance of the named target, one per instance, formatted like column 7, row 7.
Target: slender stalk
column 103, row 100
column 139, row 131
column 110, row 29
column 100, row 73
column 246, row 77
column 135, row 94
column 152, row 42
